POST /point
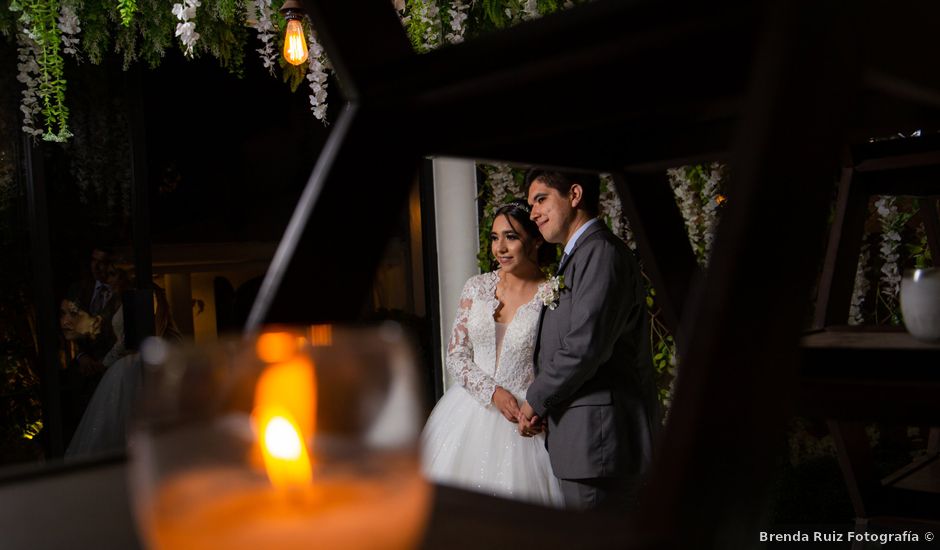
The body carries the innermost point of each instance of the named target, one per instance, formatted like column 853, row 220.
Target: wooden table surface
column 89, row 506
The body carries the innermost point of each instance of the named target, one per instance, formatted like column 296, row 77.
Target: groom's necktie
column 563, row 258
column 100, row 299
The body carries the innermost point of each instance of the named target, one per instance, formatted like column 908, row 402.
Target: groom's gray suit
column 594, row 378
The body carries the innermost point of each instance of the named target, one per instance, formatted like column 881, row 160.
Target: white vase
column 920, row 303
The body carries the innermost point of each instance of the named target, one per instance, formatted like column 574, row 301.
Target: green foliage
column 495, row 12
column 293, row 75
column 96, row 32
column 422, row 27
column 222, row 33
column 127, row 9
column 153, row 25
column 7, row 22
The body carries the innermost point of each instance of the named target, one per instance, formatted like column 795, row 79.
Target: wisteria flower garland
column 28, row 75
column 696, row 190
column 317, row 76
column 267, row 34
column 530, row 10
column 186, row 28
column 612, row 212
column 890, row 243
column 502, row 186
column 425, row 15
column 69, row 29
column 44, row 89
column 862, row 286
column 457, row 12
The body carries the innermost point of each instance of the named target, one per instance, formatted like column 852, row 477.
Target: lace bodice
column 471, row 353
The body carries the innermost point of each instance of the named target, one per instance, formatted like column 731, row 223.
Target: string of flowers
column 530, row 10
column 611, row 210
column 862, row 285
column 317, row 76
column 698, row 197
column 457, row 13
column 186, row 28
column 28, row 75
column 39, row 23
column 69, row 29
column 890, row 282
column 424, row 25
column 267, row 32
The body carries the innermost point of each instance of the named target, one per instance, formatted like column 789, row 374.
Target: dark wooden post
column 47, row 333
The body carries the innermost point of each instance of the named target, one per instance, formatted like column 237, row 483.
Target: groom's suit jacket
column 594, row 377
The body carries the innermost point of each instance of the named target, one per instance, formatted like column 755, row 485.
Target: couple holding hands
column 555, row 401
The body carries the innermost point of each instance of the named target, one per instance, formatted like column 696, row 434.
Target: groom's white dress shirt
column 569, row 246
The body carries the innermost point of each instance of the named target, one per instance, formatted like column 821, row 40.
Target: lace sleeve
column 460, row 353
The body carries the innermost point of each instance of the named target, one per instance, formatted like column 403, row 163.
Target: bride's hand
column 506, row 403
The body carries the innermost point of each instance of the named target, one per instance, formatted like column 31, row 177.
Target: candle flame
column 285, row 455
column 281, row 439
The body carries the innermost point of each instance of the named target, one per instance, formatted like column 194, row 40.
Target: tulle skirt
column 474, row 447
column 103, row 427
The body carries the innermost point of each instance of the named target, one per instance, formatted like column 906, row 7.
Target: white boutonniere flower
column 548, row 292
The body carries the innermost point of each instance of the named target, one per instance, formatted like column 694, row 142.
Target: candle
column 226, row 508
column 299, row 495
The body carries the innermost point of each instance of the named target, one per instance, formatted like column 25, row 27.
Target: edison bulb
column 295, row 46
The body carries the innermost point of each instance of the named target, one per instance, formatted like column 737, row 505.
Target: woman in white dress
column 471, row 439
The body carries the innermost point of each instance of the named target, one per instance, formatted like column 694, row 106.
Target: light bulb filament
column 295, row 45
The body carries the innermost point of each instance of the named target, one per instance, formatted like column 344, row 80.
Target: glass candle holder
column 299, row 438
column 920, row 303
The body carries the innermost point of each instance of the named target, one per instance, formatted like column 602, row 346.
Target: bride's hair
column 517, row 213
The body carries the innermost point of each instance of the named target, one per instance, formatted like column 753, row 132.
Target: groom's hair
column 562, row 182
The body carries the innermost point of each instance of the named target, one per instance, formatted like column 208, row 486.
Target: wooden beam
column 662, row 242
column 733, row 400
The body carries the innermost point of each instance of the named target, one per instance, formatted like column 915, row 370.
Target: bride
column 471, row 439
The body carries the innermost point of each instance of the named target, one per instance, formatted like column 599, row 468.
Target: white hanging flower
column 69, row 27
column 856, row 313
column 186, row 28
column 458, row 16
column 28, row 74
column 267, row 34
column 698, row 206
column 530, row 10
column 890, row 284
column 425, row 13
column 317, row 76
column 612, row 211
column 502, row 184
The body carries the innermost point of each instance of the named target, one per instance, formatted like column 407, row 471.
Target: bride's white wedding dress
column 467, row 442
column 103, row 427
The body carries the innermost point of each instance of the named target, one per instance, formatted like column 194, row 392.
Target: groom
column 594, row 377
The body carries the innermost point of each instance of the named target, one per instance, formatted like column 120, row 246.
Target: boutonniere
column 550, row 290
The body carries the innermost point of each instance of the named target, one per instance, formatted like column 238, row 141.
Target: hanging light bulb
column 295, row 44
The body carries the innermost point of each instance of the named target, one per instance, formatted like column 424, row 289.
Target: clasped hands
column 529, row 423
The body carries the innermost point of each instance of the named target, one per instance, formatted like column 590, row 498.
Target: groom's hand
column 506, row 403
column 529, row 422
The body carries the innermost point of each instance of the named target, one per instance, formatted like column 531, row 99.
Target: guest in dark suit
column 594, row 380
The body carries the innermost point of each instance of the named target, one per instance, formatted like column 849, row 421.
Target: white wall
column 455, row 212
